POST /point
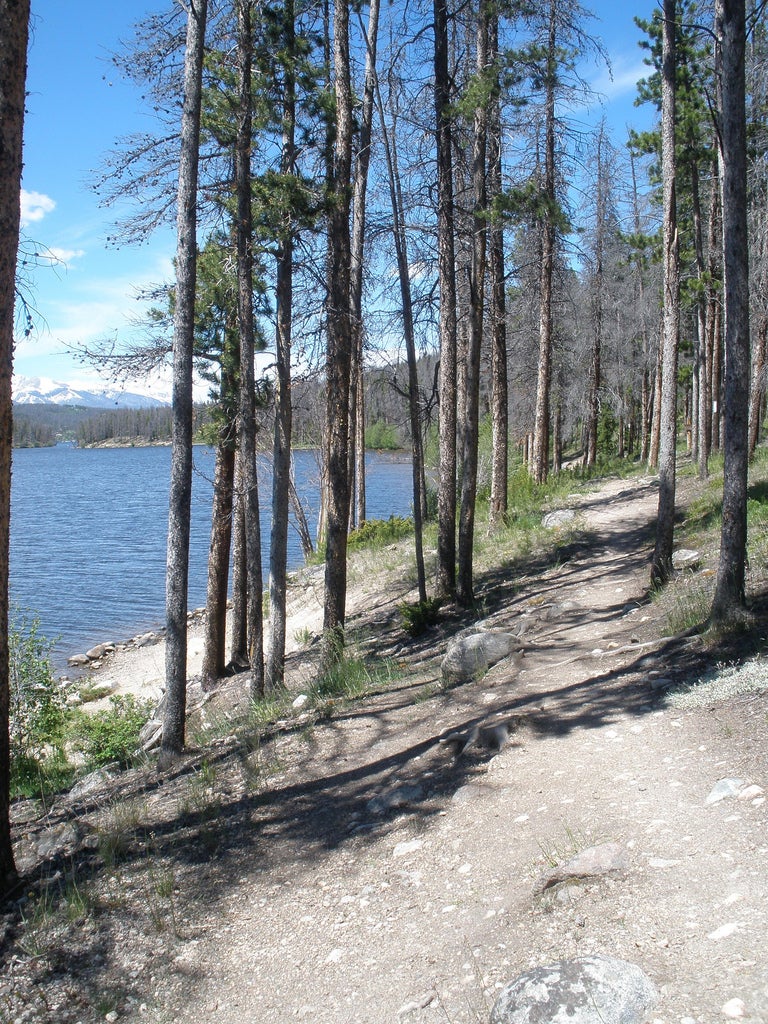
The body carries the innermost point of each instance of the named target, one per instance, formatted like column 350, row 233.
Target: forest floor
column 343, row 865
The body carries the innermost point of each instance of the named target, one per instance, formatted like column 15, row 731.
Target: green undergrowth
column 52, row 741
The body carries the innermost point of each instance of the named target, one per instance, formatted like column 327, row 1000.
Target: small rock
column 99, row 651
column 146, row 639
column 734, row 1009
column 685, row 558
column 78, row 660
column 400, row 796
column 723, row 790
column 595, row 862
column 751, row 793
column 112, row 1016
column 409, row 846
column 560, row 517
column 300, row 701
column 724, row 931
column 90, row 784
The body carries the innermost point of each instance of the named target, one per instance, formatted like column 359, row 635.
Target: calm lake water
column 88, row 534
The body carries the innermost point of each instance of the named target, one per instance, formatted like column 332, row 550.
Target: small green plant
column 416, row 618
column 378, row 532
column 161, row 898
column 111, row 735
column 685, row 606
column 94, row 691
column 349, row 677
column 303, row 636
column 118, row 828
column 38, row 712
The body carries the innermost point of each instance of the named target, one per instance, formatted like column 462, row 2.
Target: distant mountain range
column 43, row 391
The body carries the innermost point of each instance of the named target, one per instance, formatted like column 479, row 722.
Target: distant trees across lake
column 41, row 425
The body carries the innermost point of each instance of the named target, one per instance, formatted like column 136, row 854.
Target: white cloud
column 66, row 257
column 34, row 206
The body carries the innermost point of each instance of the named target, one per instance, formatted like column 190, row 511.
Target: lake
column 89, row 526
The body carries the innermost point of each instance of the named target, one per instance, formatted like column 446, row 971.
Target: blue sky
column 78, row 106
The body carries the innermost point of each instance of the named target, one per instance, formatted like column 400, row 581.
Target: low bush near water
column 378, row 532
column 44, row 730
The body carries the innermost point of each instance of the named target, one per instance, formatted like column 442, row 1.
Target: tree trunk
column 239, row 650
column 661, row 566
column 446, row 498
column 339, row 353
column 409, row 334
column 499, row 380
column 357, row 391
column 730, row 598
column 179, row 502
column 465, row 585
column 594, row 379
column 14, row 17
column 247, row 417
column 757, row 390
column 540, row 460
column 281, row 452
column 214, row 651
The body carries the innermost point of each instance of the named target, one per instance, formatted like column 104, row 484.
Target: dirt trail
column 372, row 877
column 343, row 914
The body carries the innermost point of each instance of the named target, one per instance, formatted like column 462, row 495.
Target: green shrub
column 38, row 708
column 113, row 734
column 417, row 617
column 382, row 436
column 378, row 532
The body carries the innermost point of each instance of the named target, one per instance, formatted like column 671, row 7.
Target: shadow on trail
column 341, row 794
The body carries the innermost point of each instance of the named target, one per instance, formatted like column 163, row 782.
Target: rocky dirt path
column 355, row 872
column 400, row 885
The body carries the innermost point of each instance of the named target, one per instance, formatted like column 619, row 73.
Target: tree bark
column 409, row 333
column 446, row 498
column 247, row 412
column 661, row 566
column 360, row 187
column 281, row 452
column 464, row 582
column 540, row 460
column 499, row 379
column 730, row 598
column 14, row 18
column 339, row 352
column 214, row 651
column 179, row 511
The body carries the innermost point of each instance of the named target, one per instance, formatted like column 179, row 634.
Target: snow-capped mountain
column 44, row 391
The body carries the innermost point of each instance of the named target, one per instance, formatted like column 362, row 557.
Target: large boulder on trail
column 589, row 990
column 471, row 655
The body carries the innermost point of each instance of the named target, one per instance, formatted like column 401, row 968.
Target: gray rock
column 560, row 517
column 77, row 660
column 399, row 796
column 146, row 639
column 594, row 862
column 590, row 990
column 468, row 657
column 151, row 735
column 90, row 784
column 99, row 651
column 685, row 558
column 61, row 838
column 724, row 789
